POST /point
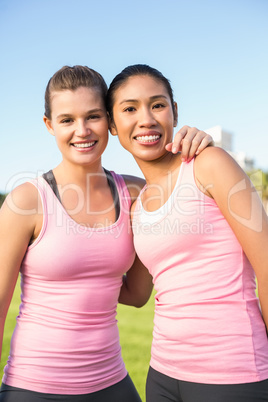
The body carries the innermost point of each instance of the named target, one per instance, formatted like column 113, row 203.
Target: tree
column 260, row 181
column 2, row 198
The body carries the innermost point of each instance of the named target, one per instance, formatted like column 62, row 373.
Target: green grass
column 135, row 327
column 9, row 326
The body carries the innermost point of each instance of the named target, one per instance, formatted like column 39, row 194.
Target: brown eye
column 158, row 106
column 93, row 117
column 129, row 109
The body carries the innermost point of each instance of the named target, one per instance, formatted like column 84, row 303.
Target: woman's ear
column 48, row 124
column 112, row 127
column 175, row 114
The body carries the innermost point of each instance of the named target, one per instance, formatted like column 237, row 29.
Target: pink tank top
column 208, row 326
column 66, row 339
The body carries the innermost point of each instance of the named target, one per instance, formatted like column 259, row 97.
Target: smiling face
column 80, row 125
column 143, row 117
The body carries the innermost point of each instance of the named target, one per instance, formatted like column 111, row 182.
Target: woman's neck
column 82, row 176
column 157, row 170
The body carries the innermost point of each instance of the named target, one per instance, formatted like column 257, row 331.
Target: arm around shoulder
column 134, row 185
column 137, row 285
column 137, row 282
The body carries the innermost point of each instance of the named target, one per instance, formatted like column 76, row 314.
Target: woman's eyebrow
column 151, row 97
column 158, row 96
column 128, row 100
column 64, row 115
column 60, row 116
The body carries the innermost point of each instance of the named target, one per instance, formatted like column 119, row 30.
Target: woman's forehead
column 83, row 93
column 141, row 85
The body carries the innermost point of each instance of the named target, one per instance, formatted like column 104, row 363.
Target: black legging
column 161, row 388
column 123, row 391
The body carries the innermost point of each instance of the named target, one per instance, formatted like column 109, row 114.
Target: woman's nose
column 146, row 118
column 82, row 129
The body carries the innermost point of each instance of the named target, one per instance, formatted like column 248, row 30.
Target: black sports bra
column 50, row 179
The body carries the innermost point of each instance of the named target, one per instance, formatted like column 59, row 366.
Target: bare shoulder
column 20, row 215
column 23, row 198
column 217, row 172
column 134, row 185
column 213, row 156
column 215, row 162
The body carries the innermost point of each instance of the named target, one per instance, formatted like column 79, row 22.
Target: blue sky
column 213, row 51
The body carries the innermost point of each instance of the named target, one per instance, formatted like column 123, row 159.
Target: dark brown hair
column 131, row 71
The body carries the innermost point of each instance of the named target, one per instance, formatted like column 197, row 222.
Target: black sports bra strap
column 114, row 192
column 50, row 179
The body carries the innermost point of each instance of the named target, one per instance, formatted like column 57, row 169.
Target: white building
column 224, row 139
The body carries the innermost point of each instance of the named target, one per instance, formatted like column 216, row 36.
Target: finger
column 199, row 142
column 188, row 148
column 169, row 147
column 206, row 142
column 190, row 143
column 178, row 138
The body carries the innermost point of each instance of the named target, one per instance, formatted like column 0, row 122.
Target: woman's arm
column 240, row 204
column 137, row 285
column 190, row 142
column 134, row 185
column 17, row 227
column 137, row 282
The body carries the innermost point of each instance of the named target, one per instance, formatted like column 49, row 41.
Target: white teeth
column 84, row 145
column 148, row 138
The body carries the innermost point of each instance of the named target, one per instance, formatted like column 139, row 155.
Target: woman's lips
column 84, row 145
column 147, row 138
